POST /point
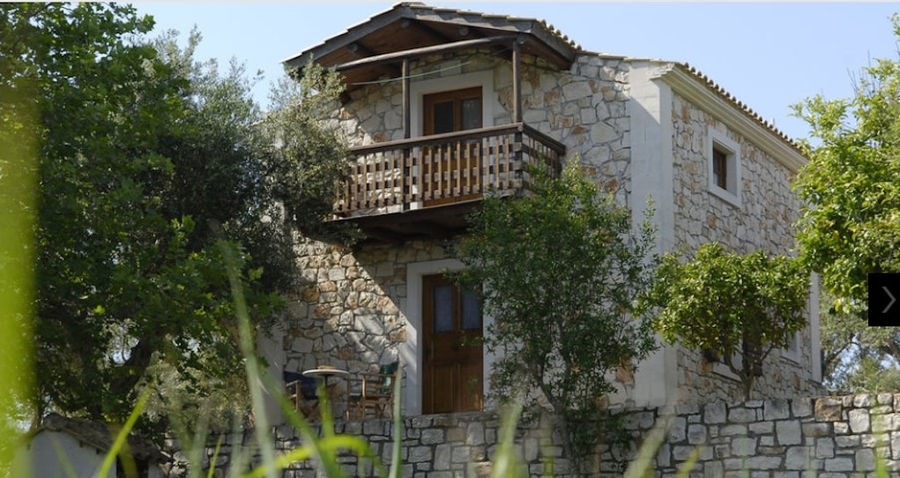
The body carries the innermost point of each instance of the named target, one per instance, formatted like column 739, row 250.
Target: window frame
column 456, row 97
column 718, row 141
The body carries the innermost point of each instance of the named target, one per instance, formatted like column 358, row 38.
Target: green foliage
column 146, row 159
column 728, row 305
column 851, row 186
column 851, row 220
column 559, row 269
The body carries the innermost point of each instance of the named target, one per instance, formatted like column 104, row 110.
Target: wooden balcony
column 425, row 186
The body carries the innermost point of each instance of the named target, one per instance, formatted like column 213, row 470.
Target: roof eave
column 685, row 83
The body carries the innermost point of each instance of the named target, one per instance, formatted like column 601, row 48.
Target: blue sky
column 769, row 55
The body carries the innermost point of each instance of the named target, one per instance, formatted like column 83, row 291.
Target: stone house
column 443, row 104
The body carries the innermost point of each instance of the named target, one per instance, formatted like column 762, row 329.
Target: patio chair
column 301, row 391
column 372, row 392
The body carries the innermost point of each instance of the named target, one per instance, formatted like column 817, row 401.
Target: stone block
column 475, row 434
column 828, row 409
column 777, row 409
column 862, row 400
column 764, row 462
column 418, row 454
column 733, row 430
column 712, row 469
column 714, row 412
column 761, row 428
column 677, row 430
column 839, row 464
column 432, row 436
column 895, row 445
column 602, row 133
column 858, row 420
column 743, row 446
column 797, row 458
column 865, row 460
column 741, row 415
column 696, row 434
column 816, row 429
column 788, row 432
column 801, row 407
column 824, row 448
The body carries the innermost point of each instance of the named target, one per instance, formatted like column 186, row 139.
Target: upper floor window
column 724, row 168
column 450, row 111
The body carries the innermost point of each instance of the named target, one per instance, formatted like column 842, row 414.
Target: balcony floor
column 434, row 222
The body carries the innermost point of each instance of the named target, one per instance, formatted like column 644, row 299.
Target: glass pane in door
column 443, row 117
column 471, row 113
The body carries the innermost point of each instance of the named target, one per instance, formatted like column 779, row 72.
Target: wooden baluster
column 439, row 193
column 427, row 160
column 476, row 174
column 507, row 174
column 458, row 169
column 468, row 168
column 345, row 203
column 360, row 183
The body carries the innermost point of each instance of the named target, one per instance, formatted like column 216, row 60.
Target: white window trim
column 718, row 139
column 793, row 354
column 418, row 89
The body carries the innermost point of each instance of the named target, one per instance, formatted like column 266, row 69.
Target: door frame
column 418, row 89
column 411, row 353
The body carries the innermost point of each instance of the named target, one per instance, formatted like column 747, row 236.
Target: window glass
column 471, row 113
column 471, row 310
column 443, row 308
column 443, row 117
column 720, row 168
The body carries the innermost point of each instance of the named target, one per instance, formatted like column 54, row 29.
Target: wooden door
column 454, row 168
column 453, row 370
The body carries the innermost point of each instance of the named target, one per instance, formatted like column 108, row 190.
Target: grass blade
column 122, row 436
column 396, row 470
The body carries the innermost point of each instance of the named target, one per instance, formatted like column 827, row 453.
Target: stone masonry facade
column 762, row 220
column 828, row 437
column 352, row 312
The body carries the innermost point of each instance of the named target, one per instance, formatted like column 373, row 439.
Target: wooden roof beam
column 423, row 51
column 440, row 37
column 363, row 51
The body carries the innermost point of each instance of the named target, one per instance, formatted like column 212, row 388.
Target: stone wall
column 350, row 314
column 762, row 221
column 836, row 437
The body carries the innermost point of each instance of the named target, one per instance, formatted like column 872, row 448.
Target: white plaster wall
column 53, row 454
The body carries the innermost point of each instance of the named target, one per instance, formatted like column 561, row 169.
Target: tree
column 559, row 269
column 146, row 160
column 850, row 224
column 729, row 306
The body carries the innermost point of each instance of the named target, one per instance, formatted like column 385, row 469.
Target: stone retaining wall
column 837, row 437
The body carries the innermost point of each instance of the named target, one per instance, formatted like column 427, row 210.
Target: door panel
column 453, row 364
column 456, row 168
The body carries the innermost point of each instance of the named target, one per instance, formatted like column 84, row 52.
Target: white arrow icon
column 886, row 291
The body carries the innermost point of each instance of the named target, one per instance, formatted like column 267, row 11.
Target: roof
column 412, row 24
column 98, row 436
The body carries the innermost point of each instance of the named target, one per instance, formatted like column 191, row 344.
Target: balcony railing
column 445, row 168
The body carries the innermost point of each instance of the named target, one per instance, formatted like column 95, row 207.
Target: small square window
column 724, row 170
